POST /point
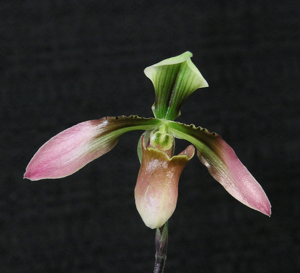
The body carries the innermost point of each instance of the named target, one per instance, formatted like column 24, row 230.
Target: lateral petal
column 224, row 166
column 72, row 149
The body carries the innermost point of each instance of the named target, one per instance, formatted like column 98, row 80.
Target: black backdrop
column 63, row 62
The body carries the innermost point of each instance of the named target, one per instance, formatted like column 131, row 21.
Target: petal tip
column 263, row 205
column 267, row 211
column 31, row 176
column 27, row 175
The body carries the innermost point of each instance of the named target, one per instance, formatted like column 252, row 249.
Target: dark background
column 63, row 62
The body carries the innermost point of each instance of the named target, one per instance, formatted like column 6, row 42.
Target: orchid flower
column 156, row 191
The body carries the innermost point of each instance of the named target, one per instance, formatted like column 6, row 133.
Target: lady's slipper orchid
column 156, row 190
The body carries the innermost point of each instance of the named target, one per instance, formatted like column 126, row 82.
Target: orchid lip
column 156, row 191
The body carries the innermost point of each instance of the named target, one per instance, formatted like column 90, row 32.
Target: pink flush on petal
column 68, row 151
column 235, row 178
column 75, row 147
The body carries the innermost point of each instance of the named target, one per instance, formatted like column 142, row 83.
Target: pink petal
column 225, row 167
column 236, row 179
column 75, row 147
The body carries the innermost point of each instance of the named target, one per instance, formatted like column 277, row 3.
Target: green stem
column 161, row 245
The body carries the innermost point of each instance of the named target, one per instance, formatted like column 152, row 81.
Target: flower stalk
column 161, row 245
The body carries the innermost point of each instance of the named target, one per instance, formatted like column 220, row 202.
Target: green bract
column 174, row 79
